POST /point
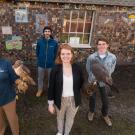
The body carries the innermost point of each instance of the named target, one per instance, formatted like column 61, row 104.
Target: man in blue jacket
column 46, row 51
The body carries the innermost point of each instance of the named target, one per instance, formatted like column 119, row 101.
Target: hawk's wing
column 26, row 69
column 20, row 72
column 29, row 80
column 100, row 72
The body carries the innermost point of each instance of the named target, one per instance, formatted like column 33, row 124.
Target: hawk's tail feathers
column 114, row 88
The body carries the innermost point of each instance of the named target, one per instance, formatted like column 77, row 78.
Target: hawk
column 24, row 73
column 102, row 75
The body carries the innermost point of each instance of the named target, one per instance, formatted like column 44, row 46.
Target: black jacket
column 56, row 84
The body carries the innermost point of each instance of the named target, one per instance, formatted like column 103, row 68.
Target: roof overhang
column 95, row 2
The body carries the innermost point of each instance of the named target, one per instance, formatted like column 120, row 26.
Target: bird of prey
column 21, row 86
column 24, row 73
column 102, row 75
column 89, row 88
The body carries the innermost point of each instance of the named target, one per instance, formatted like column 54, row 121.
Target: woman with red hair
column 64, row 94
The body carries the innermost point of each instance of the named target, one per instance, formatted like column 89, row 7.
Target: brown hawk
column 102, row 75
column 24, row 73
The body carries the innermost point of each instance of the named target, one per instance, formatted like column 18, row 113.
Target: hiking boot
column 108, row 121
column 39, row 93
column 90, row 116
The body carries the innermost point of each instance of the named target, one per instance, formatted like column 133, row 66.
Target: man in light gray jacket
column 109, row 61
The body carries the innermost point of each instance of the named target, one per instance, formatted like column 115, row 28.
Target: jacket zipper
column 46, row 53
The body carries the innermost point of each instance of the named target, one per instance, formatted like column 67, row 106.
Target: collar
column 46, row 38
column 97, row 54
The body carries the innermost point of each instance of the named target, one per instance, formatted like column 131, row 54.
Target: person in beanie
column 103, row 56
column 46, row 51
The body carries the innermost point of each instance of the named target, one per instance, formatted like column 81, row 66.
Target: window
column 77, row 28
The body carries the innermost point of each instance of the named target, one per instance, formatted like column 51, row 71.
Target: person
column 46, row 51
column 7, row 97
column 64, row 94
column 109, row 61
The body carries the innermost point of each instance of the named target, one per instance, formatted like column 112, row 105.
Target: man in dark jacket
column 46, row 51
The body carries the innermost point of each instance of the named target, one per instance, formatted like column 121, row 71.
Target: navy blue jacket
column 7, row 79
column 46, row 51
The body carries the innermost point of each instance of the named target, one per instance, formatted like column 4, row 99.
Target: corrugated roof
column 99, row 2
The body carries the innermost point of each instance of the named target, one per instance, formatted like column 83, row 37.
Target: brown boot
column 108, row 121
column 39, row 93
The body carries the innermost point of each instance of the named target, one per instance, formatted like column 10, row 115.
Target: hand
column 94, row 83
column 51, row 109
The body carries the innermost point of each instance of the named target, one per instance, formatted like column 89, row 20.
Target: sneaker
column 90, row 116
column 108, row 121
column 59, row 133
column 39, row 93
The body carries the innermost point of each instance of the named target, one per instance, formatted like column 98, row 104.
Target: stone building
column 77, row 22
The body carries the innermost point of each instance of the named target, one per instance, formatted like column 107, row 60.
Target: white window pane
column 86, row 39
column 81, row 21
column 87, row 27
column 89, row 16
column 66, row 21
column 74, row 21
column 81, row 38
column 74, row 15
column 73, row 27
column 80, row 26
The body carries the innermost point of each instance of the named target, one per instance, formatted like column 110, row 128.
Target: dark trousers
column 104, row 99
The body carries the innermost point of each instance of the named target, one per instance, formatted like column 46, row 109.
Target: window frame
column 91, row 28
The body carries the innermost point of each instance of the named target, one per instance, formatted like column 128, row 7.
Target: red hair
column 63, row 46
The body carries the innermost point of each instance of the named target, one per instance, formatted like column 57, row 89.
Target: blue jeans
column 41, row 74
